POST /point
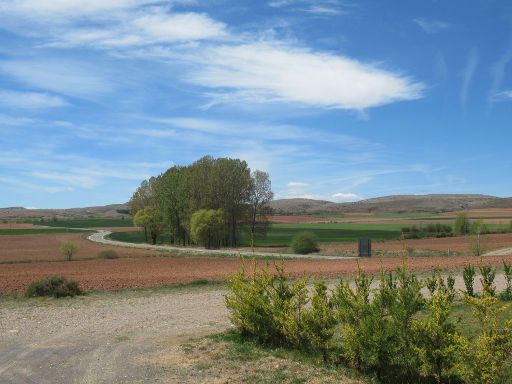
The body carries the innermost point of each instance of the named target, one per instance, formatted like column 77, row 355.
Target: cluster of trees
column 209, row 202
column 429, row 230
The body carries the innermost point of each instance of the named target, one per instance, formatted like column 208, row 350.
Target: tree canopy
column 219, row 184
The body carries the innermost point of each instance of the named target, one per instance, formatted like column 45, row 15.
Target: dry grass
column 228, row 359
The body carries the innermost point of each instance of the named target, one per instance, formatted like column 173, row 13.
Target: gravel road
column 100, row 237
column 102, row 338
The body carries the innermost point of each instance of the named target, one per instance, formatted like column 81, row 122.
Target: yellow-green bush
column 391, row 331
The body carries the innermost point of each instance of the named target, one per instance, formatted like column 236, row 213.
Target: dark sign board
column 365, row 247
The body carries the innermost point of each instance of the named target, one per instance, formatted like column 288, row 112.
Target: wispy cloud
column 296, row 184
column 269, row 71
column 30, row 100
column 503, row 96
column 317, row 7
column 469, row 71
column 346, row 197
column 431, row 26
column 66, row 77
column 498, row 73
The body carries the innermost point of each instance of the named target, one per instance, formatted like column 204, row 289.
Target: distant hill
column 385, row 204
column 111, row 211
column 393, row 204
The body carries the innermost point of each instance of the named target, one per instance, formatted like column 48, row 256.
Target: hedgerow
column 389, row 330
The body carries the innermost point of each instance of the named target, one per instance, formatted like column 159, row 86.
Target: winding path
column 101, row 234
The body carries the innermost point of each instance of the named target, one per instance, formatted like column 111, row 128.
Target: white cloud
column 107, row 23
column 469, row 72
column 296, row 184
column 64, row 9
column 272, row 71
column 503, row 96
column 346, row 197
column 30, row 100
column 431, row 26
column 145, row 28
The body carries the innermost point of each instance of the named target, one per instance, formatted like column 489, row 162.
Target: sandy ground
column 102, row 338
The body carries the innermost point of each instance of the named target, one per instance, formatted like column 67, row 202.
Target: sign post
column 365, row 247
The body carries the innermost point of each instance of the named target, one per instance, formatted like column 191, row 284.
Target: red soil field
column 457, row 244
column 156, row 271
column 17, row 226
column 16, row 248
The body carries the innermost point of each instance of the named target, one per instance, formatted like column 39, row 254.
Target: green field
column 403, row 215
column 38, row 231
column 88, row 223
column 281, row 234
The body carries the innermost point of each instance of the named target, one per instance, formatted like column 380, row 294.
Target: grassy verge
column 14, row 299
column 229, row 358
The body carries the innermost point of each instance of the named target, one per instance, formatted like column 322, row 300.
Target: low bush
column 108, row 254
column 304, row 243
column 55, row 286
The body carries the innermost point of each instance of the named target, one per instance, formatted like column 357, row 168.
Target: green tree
column 221, row 183
column 461, row 225
column 141, row 219
column 259, row 196
column 207, row 226
column 174, row 204
column 68, row 249
column 151, row 219
column 143, row 196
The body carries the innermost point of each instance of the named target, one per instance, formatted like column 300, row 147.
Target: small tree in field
column 68, row 249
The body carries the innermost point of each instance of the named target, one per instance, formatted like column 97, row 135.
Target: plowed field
column 155, row 271
column 21, row 248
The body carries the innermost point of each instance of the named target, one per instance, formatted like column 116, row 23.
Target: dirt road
column 102, row 338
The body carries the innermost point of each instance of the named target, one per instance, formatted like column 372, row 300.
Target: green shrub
column 256, row 304
column 482, row 359
column 487, row 279
column 55, row 286
column 304, row 243
column 391, row 332
column 108, row 254
column 469, row 279
column 436, row 339
column 507, row 293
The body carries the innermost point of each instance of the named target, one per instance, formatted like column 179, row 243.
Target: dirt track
column 105, row 338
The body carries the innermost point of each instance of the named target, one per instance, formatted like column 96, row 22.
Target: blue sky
column 338, row 100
